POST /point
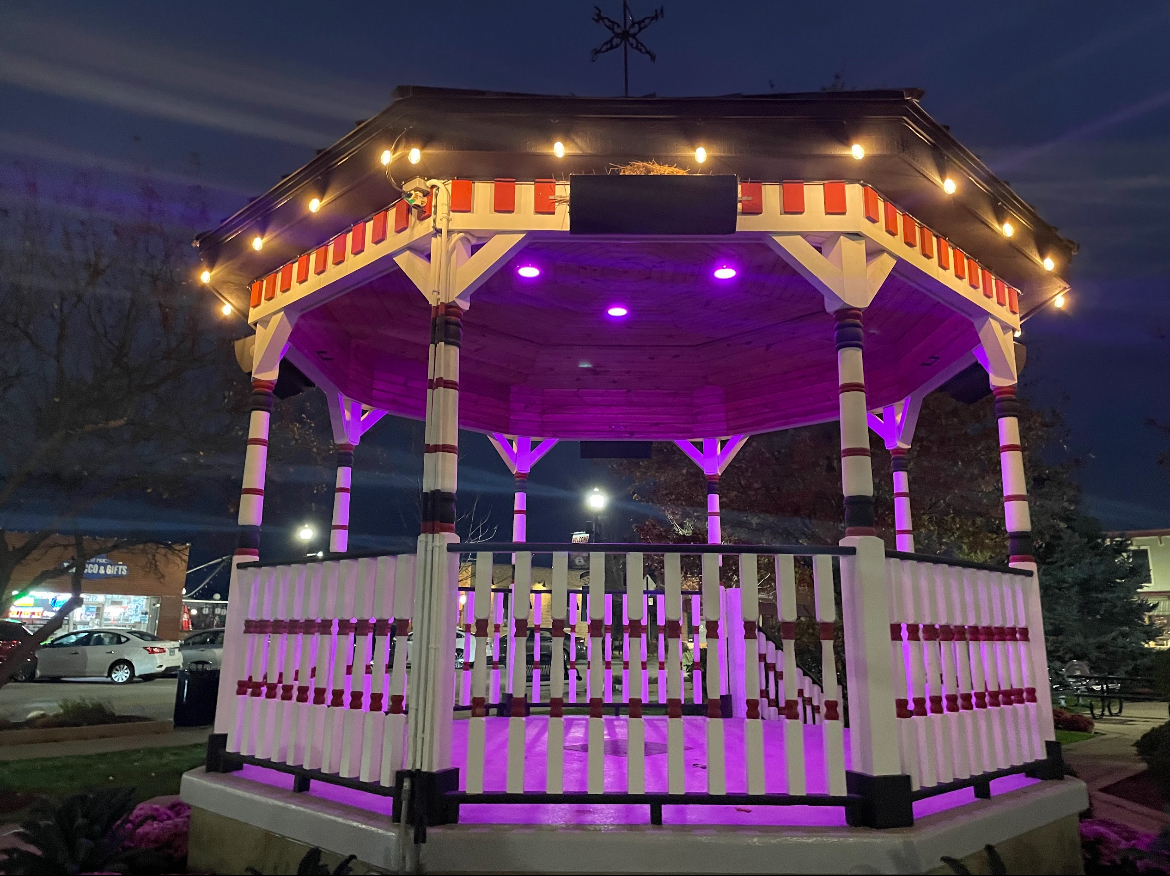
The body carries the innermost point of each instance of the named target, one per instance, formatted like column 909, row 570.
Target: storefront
column 137, row 588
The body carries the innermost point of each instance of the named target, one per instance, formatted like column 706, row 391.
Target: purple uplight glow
column 724, row 272
column 618, row 310
column 528, row 272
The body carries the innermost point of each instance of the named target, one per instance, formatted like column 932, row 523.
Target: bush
column 77, row 713
column 1109, row 847
column 1077, row 723
column 1154, row 748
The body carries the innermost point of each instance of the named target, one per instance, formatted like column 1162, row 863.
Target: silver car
column 120, row 655
column 205, row 646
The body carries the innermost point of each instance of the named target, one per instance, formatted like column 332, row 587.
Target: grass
column 150, row 771
column 1068, row 737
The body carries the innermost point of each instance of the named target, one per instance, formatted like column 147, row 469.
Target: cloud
column 180, row 85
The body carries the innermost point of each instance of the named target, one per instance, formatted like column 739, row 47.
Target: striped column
column 856, row 473
column 1015, row 488
column 903, row 525
column 339, row 531
column 520, row 508
column 255, row 465
column 714, row 530
column 1018, row 519
column 431, row 694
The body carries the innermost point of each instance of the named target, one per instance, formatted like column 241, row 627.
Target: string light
column 386, row 156
column 314, row 205
column 414, row 156
column 226, row 310
column 1008, row 229
column 1018, row 333
column 559, row 149
column 858, row 151
column 1059, row 301
column 257, row 243
column 1048, row 263
column 949, row 186
column 205, row 277
column 700, row 155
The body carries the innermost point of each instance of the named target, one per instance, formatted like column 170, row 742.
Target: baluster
column 354, row 718
column 326, row 612
column 267, row 727
column 558, row 608
column 394, row 743
column 673, row 607
column 996, row 713
column 302, row 726
column 598, row 674
column 716, row 732
column 898, row 652
column 518, row 657
column 983, row 731
column 924, row 580
column 793, row 729
column 635, row 724
column 753, row 730
column 286, row 714
column 374, row 733
column 832, row 728
column 948, row 652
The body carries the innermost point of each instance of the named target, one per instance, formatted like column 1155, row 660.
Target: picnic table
column 1105, row 694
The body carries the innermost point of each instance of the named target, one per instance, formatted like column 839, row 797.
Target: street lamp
column 596, row 500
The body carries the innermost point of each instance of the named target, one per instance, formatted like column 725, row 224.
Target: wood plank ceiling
column 694, row 357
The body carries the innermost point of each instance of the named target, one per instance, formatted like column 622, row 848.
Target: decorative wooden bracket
column 350, row 419
column 518, row 453
column 840, row 270
column 712, row 455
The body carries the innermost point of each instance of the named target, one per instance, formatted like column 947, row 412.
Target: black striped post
column 856, row 473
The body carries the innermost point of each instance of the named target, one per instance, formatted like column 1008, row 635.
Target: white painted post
column 598, row 681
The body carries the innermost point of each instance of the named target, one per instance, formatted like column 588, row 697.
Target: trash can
column 195, row 695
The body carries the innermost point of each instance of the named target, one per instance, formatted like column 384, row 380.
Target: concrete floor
column 151, row 699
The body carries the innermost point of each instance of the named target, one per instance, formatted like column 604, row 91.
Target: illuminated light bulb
column 949, row 186
column 414, row 156
column 1048, row 263
column 257, row 243
column 1059, row 300
column 205, row 277
column 386, row 156
column 528, row 272
column 1008, row 229
column 857, row 151
column 314, row 205
column 226, row 310
column 700, row 155
column 725, row 272
column 559, row 149
column 1018, row 333
column 617, row 310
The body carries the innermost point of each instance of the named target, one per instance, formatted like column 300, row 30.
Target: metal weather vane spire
column 625, row 34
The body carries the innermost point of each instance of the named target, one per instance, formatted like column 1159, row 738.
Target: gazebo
column 475, row 260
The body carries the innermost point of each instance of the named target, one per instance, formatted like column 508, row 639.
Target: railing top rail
column 951, row 561
column 639, row 547
column 327, row 557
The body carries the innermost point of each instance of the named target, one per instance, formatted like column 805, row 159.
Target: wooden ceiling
column 695, row 357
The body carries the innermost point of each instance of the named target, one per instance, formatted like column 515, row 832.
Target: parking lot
column 152, row 699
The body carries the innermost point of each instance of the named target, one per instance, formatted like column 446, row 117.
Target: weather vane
column 625, row 35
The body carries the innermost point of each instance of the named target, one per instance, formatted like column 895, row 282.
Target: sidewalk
column 1111, row 757
column 183, row 736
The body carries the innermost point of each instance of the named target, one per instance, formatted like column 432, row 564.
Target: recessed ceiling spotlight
column 559, row 149
column 1048, row 263
column 949, row 186
column 857, row 151
column 724, row 272
column 700, row 155
column 528, row 272
column 618, row 310
column 414, row 156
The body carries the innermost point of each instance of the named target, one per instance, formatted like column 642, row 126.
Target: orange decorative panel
column 461, row 190
column 792, row 196
column 751, row 198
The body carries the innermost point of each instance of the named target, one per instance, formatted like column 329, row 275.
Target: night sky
column 1068, row 101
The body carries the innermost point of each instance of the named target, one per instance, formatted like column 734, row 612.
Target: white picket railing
column 965, row 670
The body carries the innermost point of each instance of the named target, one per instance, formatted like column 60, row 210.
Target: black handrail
column 639, row 547
column 951, row 561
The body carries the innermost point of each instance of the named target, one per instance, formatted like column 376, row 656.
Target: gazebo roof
column 694, row 356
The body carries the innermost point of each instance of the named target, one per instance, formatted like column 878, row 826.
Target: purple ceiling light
column 618, row 310
column 528, row 272
column 724, row 272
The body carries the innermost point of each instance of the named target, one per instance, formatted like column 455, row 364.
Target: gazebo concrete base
column 239, row 822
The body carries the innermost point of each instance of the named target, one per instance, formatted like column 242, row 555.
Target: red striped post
column 339, row 531
column 856, row 473
column 903, row 524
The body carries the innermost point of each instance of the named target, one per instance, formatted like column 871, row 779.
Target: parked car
column 206, row 646
column 11, row 635
column 464, row 648
column 546, row 650
column 120, row 655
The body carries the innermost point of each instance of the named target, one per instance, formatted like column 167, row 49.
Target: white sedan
column 119, row 655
